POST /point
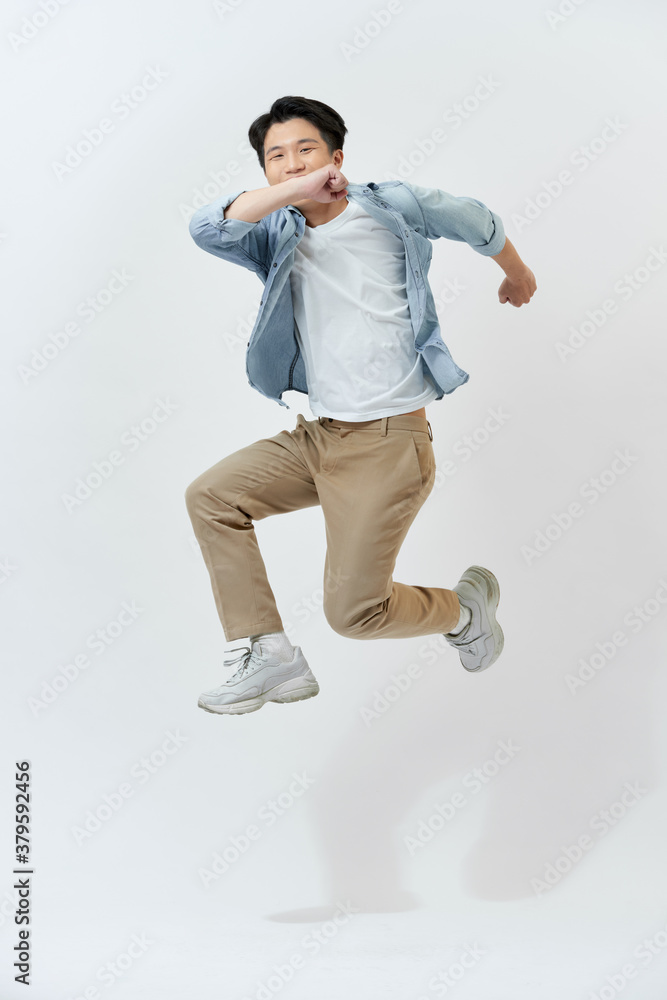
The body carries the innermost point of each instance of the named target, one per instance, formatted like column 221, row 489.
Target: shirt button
column 275, row 265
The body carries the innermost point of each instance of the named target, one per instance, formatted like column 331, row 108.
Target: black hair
column 331, row 126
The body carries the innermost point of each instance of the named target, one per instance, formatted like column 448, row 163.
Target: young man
column 347, row 317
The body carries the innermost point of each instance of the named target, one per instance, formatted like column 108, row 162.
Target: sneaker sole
column 497, row 637
column 296, row 689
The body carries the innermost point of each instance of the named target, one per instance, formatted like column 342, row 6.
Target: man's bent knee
column 349, row 624
column 193, row 494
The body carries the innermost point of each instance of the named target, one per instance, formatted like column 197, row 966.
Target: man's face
column 294, row 148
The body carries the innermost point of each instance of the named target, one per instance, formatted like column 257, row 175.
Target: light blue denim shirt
column 274, row 362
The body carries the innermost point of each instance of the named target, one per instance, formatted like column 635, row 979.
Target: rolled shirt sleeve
column 459, row 217
column 240, row 242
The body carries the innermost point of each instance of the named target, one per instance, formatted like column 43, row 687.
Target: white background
column 177, row 332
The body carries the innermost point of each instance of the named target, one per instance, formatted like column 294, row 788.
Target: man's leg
column 267, row 477
column 382, row 474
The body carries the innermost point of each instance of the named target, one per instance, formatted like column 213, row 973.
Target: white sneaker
column 481, row 641
column 261, row 677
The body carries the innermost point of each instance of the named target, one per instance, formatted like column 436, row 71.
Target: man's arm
column 252, row 206
column 244, row 243
column 326, row 184
column 519, row 285
column 459, row 217
column 232, row 226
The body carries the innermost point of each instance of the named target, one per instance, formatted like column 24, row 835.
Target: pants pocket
column 426, row 460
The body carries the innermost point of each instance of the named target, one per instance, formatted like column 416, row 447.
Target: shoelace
column 246, row 656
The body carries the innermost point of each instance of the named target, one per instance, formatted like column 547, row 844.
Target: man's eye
column 306, row 149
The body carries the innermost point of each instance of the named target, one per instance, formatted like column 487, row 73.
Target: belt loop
column 383, row 427
column 430, row 432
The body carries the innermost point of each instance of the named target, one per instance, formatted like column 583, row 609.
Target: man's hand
column 326, row 184
column 517, row 289
column 519, row 285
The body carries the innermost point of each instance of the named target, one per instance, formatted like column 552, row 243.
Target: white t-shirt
column 353, row 322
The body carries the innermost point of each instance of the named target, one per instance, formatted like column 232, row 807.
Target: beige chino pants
column 370, row 478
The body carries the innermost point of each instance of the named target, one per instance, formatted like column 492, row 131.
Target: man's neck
column 316, row 213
